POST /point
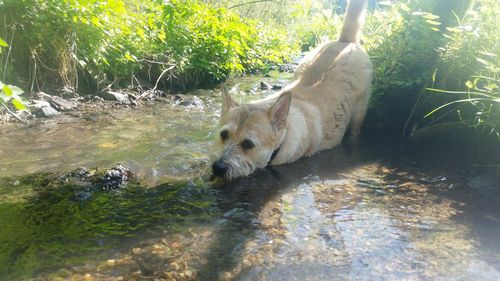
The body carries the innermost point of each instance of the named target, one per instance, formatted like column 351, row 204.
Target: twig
column 8, row 55
column 161, row 75
column 149, row 92
column 13, row 114
column 109, row 86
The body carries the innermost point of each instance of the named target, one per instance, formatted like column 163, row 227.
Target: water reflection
column 310, row 220
column 351, row 213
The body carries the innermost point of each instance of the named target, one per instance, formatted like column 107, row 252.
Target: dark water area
column 367, row 211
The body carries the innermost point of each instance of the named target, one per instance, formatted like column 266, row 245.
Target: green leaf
column 129, row 57
column 18, row 104
column 461, row 101
column 7, row 90
column 3, row 43
column 432, row 22
column 16, row 90
column 4, row 98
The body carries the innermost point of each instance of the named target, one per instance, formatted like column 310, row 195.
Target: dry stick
column 161, row 75
column 109, row 86
column 147, row 93
column 33, row 75
column 8, row 55
column 13, row 114
column 74, row 46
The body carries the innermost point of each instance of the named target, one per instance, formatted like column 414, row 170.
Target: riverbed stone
column 59, row 103
column 115, row 96
column 264, row 86
column 41, row 108
column 188, row 100
column 62, row 104
column 116, row 177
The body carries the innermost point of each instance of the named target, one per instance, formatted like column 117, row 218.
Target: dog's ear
column 227, row 100
column 279, row 111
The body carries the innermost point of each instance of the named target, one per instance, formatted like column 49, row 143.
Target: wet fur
column 330, row 93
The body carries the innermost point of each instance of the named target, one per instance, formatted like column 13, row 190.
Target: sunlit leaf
column 129, row 57
column 7, row 90
column 471, row 100
column 16, row 90
column 18, row 104
column 454, row 29
column 432, row 22
column 3, row 43
column 4, row 98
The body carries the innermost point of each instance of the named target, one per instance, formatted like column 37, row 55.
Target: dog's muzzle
column 219, row 168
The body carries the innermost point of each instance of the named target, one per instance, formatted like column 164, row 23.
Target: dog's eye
column 247, row 144
column 224, row 135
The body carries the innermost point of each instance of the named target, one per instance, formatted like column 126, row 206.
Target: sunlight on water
column 351, row 213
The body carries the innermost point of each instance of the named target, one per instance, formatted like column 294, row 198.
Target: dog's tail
column 354, row 20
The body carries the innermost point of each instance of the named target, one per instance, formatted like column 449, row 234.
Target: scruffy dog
column 330, row 93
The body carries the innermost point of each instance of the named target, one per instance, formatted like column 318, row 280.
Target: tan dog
column 330, row 93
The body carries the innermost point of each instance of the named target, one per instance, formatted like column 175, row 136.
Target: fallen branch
column 150, row 92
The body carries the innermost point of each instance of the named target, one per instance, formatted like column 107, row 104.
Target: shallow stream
column 356, row 212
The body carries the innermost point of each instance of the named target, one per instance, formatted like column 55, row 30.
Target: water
column 359, row 212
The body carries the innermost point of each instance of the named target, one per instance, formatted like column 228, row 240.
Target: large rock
column 57, row 102
column 42, row 108
column 62, row 104
column 115, row 96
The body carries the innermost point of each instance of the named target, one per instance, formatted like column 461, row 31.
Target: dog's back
column 312, row 113
column 336, row 77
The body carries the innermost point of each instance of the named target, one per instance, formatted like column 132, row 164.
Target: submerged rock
column 264, row 86
column 116, row 177
column 90, row 180
column 188, row 100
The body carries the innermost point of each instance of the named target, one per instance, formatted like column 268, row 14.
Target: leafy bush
column 10, row 94
column 402, row 42
column 98, row 42
column 469, row 71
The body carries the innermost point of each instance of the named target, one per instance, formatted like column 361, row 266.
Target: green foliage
column 469, row 68
column 414, row 45
column 209, row 43
column 12, row 94
column 483, row 97
column 402, row 43
column 129, row 40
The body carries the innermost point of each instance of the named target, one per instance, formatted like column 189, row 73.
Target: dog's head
column 249, row 134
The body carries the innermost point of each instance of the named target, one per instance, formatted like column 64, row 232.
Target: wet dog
column 330, row 93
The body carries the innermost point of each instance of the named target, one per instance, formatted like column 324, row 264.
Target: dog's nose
column 219, row 168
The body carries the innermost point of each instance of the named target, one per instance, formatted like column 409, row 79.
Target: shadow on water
column 242, row 200
column 59, row 227
column 355, row 212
